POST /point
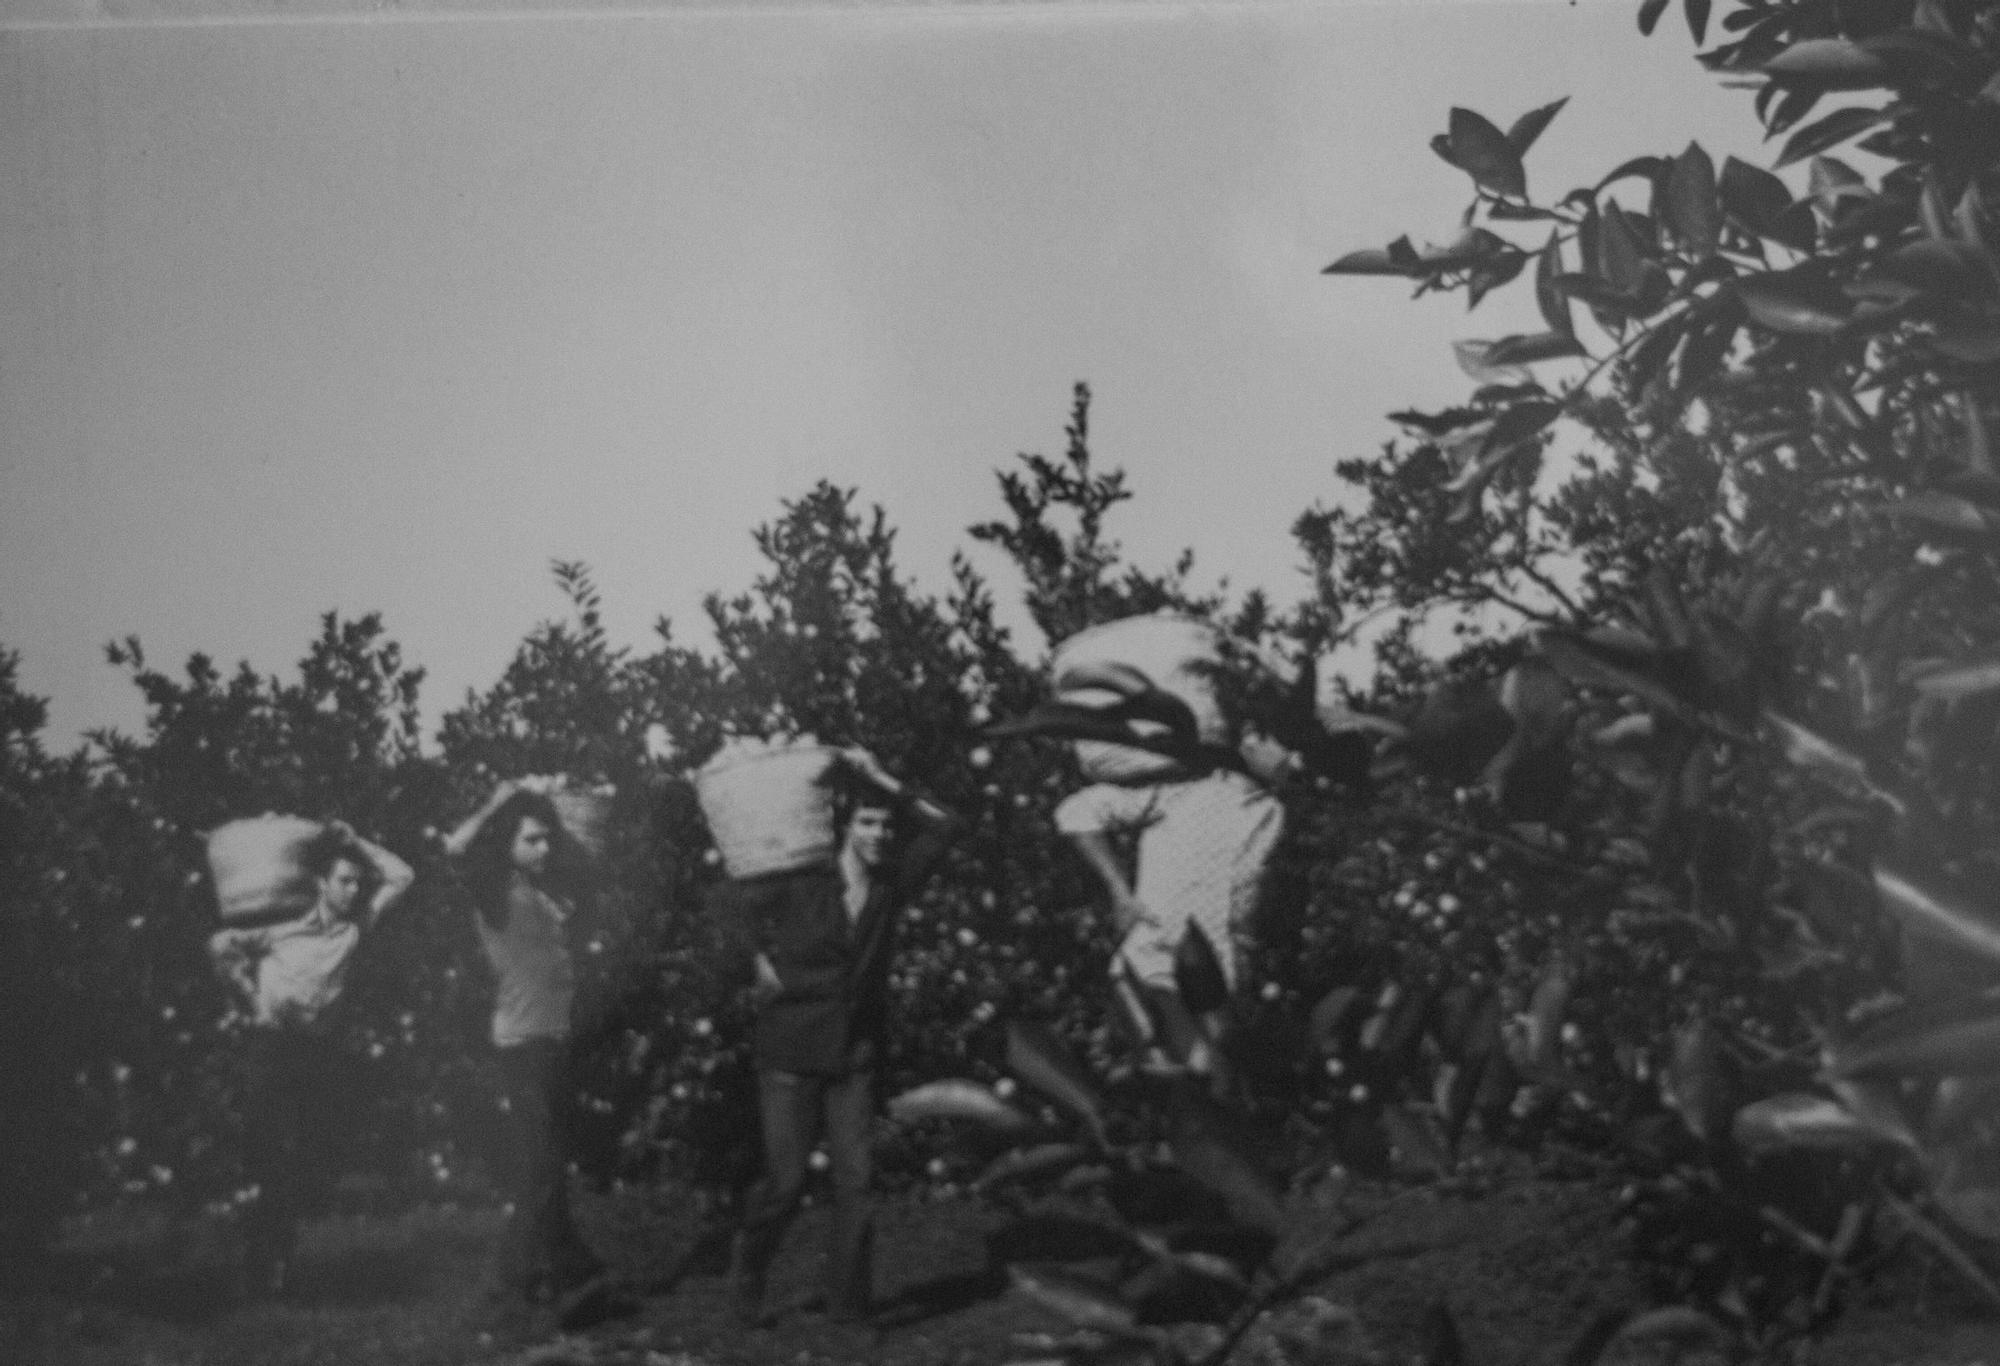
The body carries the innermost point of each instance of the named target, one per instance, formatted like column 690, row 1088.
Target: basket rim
column 719, row 764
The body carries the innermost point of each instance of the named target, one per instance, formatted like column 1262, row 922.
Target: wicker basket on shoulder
column 1163, row 650
column 259, row 870
column 769, row 805
column 586, row 814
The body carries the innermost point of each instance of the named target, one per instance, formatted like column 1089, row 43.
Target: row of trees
column 119, row 1073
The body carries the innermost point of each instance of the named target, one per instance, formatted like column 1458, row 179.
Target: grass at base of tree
column 1523, row 1267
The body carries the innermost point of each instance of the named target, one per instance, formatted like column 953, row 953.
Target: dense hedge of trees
column 119, row 1051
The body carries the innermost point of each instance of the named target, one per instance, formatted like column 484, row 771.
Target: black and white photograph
column 1000, row 683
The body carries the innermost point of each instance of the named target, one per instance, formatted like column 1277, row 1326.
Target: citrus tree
column 1739, row 490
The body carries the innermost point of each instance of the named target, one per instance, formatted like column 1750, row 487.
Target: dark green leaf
column 1947, row 510
column 1876, row 1103
column 1521, row 136
column 1915, row 56
column 1489, row 275
column 1675, row 1333
column 1368, row 261
column 1589, row 666
column 1797, row 227
column 1752, row 196
column 1701, row 1087
column 1791, row 107
column 1038, row 1058
column 1436, row 424
column 1553, row 304
column 1398, row 1025
column 1975, row 223
column 1965, row 1186
column 1809, row 749
column 1472, row 247
column 1690, row 210
column 1932, row 906
column 1590, row 1344
column 1956, row 682
column 1978, row 448
column 1952, row 1039
column 1830, row 131
column 1938, row 266
column 1618, row 252
column 1941, row 1242
column 1416, row 1140
column 1521, row 423
column 1443, row 1346
column 1828, row 64
column 1650, row 167
column 1798, row 1120
column 1202, row 1151
column 1797, row 302
column 1973, row 340
column 957, row 1098
column 1198, row 972
column 1483, row 152
column 1932, row 210
column 1541, row 1041
column 1834, row 182
column 1655, row 287
column 1649, row 14
column 1705, row 351
column 1697, row 17
column 1509, row 211
column 1471, row 356
column 1539, row 346
column 1645, row 361
column 1329, row 1016
column 1086, row 1303
column 1028, row 1164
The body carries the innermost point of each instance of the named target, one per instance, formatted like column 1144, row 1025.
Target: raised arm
column 460, row 840
column 396, row 877
column 937, row 824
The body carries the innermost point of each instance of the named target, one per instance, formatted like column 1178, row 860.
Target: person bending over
column 1202, row 844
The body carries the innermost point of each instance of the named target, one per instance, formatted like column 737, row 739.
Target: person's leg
column 788, row 1106
column 523, row 1097
column 850, row 1107
column 329, row 1102
column 271, row 1100
column 563, row 1249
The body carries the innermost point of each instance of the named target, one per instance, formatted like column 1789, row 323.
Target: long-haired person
column 520, row 866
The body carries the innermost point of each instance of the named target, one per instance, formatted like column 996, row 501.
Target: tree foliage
column 1743, row 503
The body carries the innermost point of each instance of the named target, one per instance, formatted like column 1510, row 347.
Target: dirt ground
column 1524, row 1269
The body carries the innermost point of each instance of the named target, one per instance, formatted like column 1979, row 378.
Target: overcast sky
column 386, row 314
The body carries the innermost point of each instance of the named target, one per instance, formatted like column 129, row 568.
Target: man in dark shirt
column 820, row 941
